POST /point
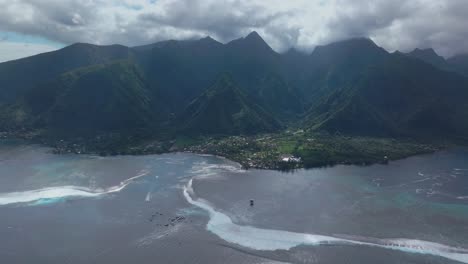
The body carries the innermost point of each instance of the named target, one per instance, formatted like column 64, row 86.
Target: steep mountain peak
column 209, row 41
column 252, row 40
column 353, row 43
column 255, row 38
column 360, row 50
column 429, row 56
column 254, row 35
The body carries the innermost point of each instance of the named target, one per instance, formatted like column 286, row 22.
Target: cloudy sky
column 32, row 26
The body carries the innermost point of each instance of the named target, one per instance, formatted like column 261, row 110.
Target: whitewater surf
column 62, row 192
column 269, row 239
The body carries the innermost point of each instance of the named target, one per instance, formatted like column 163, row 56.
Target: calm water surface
column 186, row 208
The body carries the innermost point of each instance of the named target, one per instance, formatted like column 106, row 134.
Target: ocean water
column 187, row 208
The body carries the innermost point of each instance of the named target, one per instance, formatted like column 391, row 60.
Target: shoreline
column 257, row 152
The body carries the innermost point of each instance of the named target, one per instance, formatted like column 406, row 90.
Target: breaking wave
column 54, row 194
column 270, row 239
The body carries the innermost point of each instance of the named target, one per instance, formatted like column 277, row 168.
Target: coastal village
column 283, row 151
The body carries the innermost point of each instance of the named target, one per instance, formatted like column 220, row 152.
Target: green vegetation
column 19, row 76
column 225, row 109
column 88, row 101
column 349, row 101
column 264, row 151
column 399, row 96
column 203, row 87
column 313, row 149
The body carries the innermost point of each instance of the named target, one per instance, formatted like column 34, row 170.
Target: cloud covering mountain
column 398, row 24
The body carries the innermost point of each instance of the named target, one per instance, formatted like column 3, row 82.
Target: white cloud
column 396, row 24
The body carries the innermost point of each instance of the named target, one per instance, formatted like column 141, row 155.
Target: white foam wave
column 63, row 192
column 212, row 171
column 270, row 239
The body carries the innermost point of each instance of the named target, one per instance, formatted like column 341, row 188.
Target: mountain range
column 198, row 87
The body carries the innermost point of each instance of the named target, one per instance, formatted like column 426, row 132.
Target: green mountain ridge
column 431, row 57
column 19, row 76
column 174, row 87
column 225, row 109
column 400, row 96
column 99, row 98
